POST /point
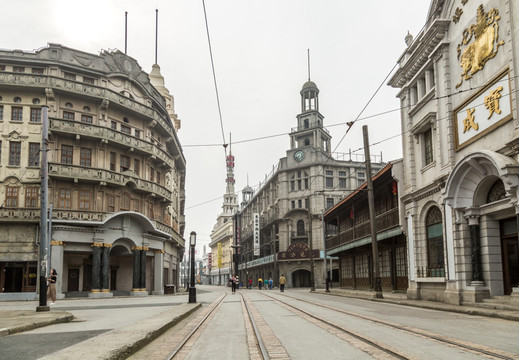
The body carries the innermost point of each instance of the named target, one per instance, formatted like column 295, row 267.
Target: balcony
column 68, row 171
column 68, row 127
column 82, row 89
column 309, row 126
column 383, row 221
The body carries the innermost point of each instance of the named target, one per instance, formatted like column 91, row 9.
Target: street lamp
column 192, row 289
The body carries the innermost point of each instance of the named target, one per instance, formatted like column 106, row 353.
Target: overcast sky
column 260, row 58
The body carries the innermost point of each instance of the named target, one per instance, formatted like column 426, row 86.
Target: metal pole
column 326, row 276
column 377, row 286
column 44, row 241
column 312, row 278
column 192, row 289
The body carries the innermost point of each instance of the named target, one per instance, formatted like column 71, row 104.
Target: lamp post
column 192, row 289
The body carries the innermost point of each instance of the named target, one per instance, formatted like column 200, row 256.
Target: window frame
column 15, row 153
column 11, row 196
column 34, row 154
column 85, row 157
column 31, row 196
column 17, row 113
column 67, row 154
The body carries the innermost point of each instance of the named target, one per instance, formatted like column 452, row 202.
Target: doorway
column 73, row 280
column 510, row 254
column 301, row 278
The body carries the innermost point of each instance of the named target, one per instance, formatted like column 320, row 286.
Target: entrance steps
column 503, row 302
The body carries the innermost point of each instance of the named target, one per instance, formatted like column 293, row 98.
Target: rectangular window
column 86, row 118
column 111, row 203
column 113, row 125
column 18, row 69
column 37, row 71
column 293, row 204
column 428, row 146
column 88, row 80
column 15, row 149
column 16, row 113
column 67, row 152
column 64, row 200
column 84, row 199
column 137, row 166
column 1, row 112
column 342, row 179
column 125, row 163
column 35, row 115
column 292, row 185
column 34, row 154
column 329, row 203
column 137, row 205
column 137, row 133
column 85, row 158
column 68, row 115
column 125, row 202
column 11, row 196
column 69, row 76
column 31, row 197
column 126, row 129
column 157, row 176
column 299, row 203
column 152, row 174
column 113, row 159
column 329, row 179
column 151, row 211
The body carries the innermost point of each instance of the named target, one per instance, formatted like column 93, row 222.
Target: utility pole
column 377, row 286
column 44, row 241
column 310, row 242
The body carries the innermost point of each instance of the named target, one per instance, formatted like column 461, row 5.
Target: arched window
column 300, row 228
column 435, row 258
column 496, row 192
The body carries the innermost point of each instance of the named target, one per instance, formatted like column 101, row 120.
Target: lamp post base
column 192, row 294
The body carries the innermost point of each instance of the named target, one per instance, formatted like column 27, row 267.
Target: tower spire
column 156, row 33
column 308, row 64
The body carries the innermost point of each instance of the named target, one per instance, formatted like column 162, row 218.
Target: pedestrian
column 282, row 282
column 250, row 283
column 51, row 291
column 266, row 283
column 260, row 283
column 233, row 283
column 270, row 283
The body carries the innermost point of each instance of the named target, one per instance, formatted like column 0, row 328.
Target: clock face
column 299, row 155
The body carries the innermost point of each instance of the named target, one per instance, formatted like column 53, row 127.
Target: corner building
column 288, row 206
column 116, row 173
column 458, row 81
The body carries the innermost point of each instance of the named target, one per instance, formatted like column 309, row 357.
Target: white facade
column 460, row 134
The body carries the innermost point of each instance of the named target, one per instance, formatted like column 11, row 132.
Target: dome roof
column 247, row 189
column 309, row 85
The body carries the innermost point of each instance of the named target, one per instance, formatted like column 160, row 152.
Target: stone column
column 429, row 80
column 105, row 270
column 420, row 87
column 136, row 268
column 96, row 267
column 57, row 250
column 477, row 273
column 158, row 283
column 142, row 281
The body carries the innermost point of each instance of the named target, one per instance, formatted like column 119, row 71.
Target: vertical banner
column 256, row 234
column 219, row 255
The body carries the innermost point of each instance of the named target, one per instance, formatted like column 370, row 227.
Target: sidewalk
column 401, row 299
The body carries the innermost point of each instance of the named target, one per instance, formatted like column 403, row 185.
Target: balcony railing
column 383, row 222
column 101, row 132
column 69, row 171
column 309, row 126
column 80, row 88
column 427, row 272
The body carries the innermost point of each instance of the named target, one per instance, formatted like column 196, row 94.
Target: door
column 113, row 279
column 73, row 280
column 510, row 254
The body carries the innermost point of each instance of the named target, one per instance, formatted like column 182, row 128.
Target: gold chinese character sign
column 482, row 42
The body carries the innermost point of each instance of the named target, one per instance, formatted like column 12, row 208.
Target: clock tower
column 310, row 134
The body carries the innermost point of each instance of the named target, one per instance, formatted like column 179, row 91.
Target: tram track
column 473, row 348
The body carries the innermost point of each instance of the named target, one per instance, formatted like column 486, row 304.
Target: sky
column 260, row 57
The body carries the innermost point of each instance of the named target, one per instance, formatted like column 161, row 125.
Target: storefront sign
column 298, row 251
column 485, row 111
column 256, row 230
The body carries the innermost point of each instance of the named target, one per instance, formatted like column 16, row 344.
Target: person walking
column 282, row 282
column 260, row 283
column 250, row 283
column 51, row 291
column 233, row 283
column 266, row 283
column 270, row 283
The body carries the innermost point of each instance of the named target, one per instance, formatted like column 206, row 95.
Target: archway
column 301, row 278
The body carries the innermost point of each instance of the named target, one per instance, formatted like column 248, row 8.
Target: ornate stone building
column 116, row 173
column 281, row 222
column 458, row 81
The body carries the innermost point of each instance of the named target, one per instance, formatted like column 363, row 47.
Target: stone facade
column 116, row 173
column 460, row 133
